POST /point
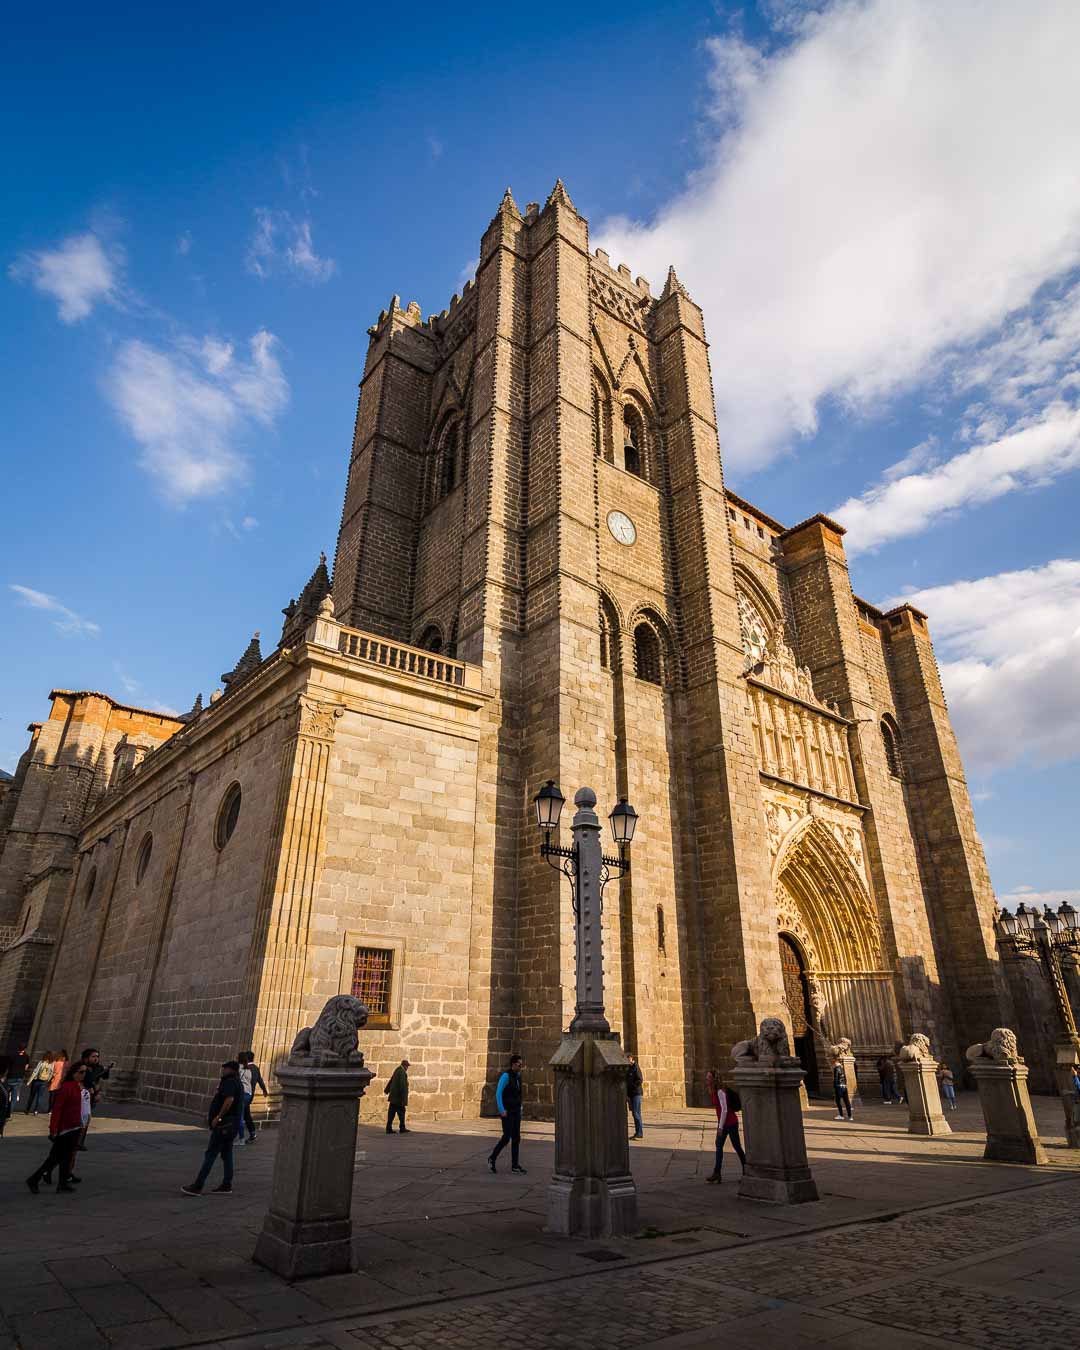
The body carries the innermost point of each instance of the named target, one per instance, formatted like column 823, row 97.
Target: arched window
column 431, row 640
column 633, row 442
column 449, row 466
column 228, row 815
column 142, row 858
column 890, row 736
column 647, row 662
column 609, row 636
column 91, row 882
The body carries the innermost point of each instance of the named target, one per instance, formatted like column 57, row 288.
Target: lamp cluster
column 549, row 803
column 1062, row 925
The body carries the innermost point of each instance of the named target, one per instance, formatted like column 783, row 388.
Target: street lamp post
column 589, row 870
column 592, row 1192
column 1045, row 937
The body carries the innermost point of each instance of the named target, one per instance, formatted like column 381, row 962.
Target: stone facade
column 540, row 574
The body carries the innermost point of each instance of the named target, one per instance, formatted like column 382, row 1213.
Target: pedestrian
column 5, row 1092
column 727, row 1105
column 96, row 1073
column 59, row 1071
column 70, row 1112
column 250, row 1079
column 893, row 1076
column 20, row 1065
column 1076, row 1083
column 39, row 1082
column 397, row 1098
column 898, row 1077
column 635, row 1087
column 840, row 1089
column 222, row 1119
column 508, row 1104
column 247, row 1091
column 948, row 1086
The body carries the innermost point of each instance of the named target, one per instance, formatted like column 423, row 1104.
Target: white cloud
column 1028, row 896
column 280, row 242
column 78, row 273
column 184, row 243
column 1032, row 454
column 889, row 183
column 1008, row 649
column 188, row 407
column 64, row 620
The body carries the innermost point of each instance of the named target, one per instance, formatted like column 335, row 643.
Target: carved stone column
column 308, row 1229
column 1001, row 1077
column 274, row 984
column 924, row 1099
column 768, row 1079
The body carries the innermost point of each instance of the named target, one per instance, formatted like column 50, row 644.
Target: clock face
column 621, row 527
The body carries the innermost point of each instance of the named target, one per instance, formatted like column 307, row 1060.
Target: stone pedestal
column 592, row 1193
column 1011, row 1135
column 924, row 1097
column 308, row 1230
column 776, row 1165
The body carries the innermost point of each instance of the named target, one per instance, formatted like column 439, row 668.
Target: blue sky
column 876, row 203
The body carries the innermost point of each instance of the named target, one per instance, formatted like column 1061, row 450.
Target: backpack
column 734, row 1101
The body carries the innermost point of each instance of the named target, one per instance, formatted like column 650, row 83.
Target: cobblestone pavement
column 915, row 1242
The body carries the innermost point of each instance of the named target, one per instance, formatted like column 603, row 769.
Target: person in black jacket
column 508, row 1103
column 223, row 1119
column 20, row 1067
column 635, row 1087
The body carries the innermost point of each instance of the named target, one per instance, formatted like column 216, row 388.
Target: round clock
column 621, row 527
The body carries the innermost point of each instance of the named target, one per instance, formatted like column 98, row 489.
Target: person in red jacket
column 726, row 1104
column 65, row 1126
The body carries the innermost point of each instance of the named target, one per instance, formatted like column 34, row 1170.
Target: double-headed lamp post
column 589, row 870
column 1047, row 936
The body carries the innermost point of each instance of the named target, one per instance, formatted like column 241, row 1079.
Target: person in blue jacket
column 508, row 1104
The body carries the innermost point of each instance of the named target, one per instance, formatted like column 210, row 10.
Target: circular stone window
column 228, row 815
column 142, row 861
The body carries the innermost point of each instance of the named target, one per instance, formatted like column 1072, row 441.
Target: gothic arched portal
column 826, row 916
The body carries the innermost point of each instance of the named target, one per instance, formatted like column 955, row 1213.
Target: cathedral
column 539, row 575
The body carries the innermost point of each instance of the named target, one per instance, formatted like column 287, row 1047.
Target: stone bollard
column 768, row 1078
column 308, row 1229
column 1001, row 1077
column 592, row 1193
column 919, row 1068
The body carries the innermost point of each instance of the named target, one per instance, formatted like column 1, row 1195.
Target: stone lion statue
column 917, row 1048
column 842, row 1047
column 1001, row 1048
column 769, row 1047
column 334, row 1035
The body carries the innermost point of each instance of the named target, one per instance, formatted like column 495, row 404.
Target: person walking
column 948, row 1085
column 222, row 1119
column 20, row 1065
column 70, row 1112
column 251, row 1080
column 727, row 1105
column 247, row 1091
column 39, row 1082
column 96, row 1073
column 59, row 1070
column 508, row 1104
column 635, row 1088
column 397, row 1098
column 840, row 1089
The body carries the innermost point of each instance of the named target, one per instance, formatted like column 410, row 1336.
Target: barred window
column 373, row 969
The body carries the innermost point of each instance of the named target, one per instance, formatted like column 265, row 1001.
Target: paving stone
column 109, row 1305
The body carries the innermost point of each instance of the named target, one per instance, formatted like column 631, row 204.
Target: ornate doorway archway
column 825, row 910
column 797, row 997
